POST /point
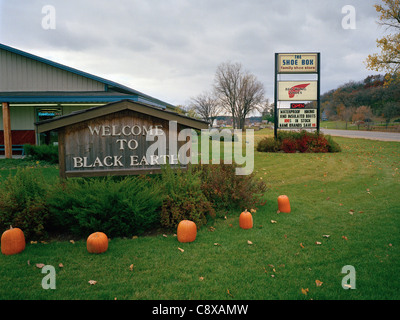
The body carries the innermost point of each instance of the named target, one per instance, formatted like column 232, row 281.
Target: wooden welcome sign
column 121, row 138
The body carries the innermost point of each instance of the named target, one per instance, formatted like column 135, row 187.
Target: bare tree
column 239, row 91
column 227, row 82
column 206, row 106
column 250, row 98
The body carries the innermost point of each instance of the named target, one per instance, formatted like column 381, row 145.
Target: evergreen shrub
column 117, row 207
column 23, row 203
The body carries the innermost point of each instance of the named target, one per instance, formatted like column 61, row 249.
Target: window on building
column 46, row 114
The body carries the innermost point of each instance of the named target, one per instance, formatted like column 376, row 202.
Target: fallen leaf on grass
column 318, row 243
column 227, row 291
column 318, row 283
column 181, row 250
column 216, row 244
column 165, row 236
column 274, row 221
column 301, row 245
column 201, row 278
column 351, row 211
column 249, row 242
column 304, row 291
column 131, row 267
column 345, row 238
column 40, row 265
column 92, row 282
column 325, row 235
column 60, row 265
column 72, row 241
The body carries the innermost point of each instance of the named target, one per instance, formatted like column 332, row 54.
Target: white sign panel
column 297, row 90
column 297, row 63
column 297, row 118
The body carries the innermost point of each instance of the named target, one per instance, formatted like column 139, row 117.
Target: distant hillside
column 376, row 98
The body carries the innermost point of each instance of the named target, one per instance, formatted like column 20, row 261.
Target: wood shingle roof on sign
column 95, row 112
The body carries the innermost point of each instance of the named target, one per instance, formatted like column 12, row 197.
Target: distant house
column 34, row 89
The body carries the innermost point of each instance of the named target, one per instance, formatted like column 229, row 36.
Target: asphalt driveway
column 373, row 135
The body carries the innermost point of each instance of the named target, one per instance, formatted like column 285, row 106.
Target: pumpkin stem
column 11, row 227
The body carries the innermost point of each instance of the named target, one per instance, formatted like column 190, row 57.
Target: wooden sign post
column 7, row 130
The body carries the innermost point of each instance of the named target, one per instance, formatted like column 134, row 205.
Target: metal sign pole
column 319, row 92
column 276, row 98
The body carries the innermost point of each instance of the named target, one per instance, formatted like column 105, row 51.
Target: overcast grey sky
column 170, row 49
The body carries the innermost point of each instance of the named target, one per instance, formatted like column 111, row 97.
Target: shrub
column 332, row 145
column 289, row 145
column 301, row 141
column 23, row 203
column 44, row 152
column 318, row 143
column 116, row 207
column 268, row 144
column 184, row 198
column 226, row 190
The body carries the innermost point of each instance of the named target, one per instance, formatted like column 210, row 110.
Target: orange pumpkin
column 97, row 243
column 187, row 231
column 12, row 241
column 246, row 220
column 283, row 204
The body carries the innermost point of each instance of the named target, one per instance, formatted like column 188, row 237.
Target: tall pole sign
column 298, row 92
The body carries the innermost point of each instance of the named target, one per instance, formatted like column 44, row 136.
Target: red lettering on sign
column 297, row 105
column 297, row 89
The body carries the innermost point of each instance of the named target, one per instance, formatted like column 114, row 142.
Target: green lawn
column 352, row 196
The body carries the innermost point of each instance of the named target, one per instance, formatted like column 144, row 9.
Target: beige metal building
column 34, row 89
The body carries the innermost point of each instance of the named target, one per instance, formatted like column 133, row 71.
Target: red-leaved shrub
column 301, row 141
column 289, row 145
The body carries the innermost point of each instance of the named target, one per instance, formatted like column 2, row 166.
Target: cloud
column 170, row 48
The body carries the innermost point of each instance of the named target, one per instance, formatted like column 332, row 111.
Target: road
column 373, row 135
